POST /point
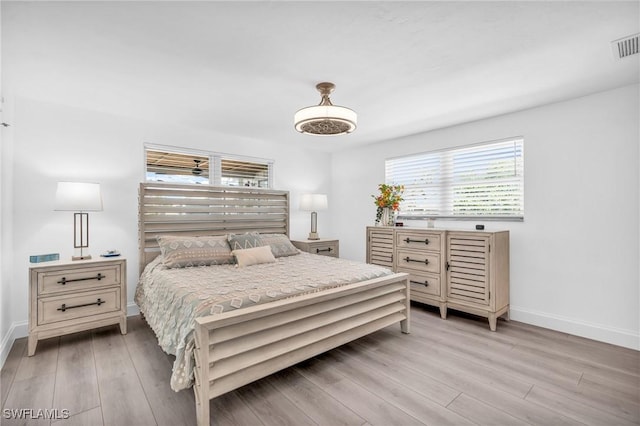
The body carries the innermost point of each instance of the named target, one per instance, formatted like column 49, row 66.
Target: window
column 164, row 166
column 478, row 181
column 181, row 165
column 244, row 173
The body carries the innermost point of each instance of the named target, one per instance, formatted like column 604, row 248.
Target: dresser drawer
column 418, row 261
column 424, row 283
column 72, row 306
column 418, row 240
column 52, row 282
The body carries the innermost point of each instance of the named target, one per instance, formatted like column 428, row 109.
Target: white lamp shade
column 78, row 196
column 313, row 202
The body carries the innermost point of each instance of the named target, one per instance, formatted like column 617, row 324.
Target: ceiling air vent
column 625, row 46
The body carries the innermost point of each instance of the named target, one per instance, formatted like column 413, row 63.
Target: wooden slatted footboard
column 239, row 347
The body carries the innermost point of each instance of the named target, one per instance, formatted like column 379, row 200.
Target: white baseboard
column 21, row 329
column 132, row 310
column 616, row 336
column 17, row 330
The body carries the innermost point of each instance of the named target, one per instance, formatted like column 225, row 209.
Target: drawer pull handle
column 408, row 259
column 98, row 277
column 322, row 250
column 64, row 307
column 426, row 283
column 409, row 240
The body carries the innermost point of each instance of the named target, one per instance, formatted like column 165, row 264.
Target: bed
column 239, row 333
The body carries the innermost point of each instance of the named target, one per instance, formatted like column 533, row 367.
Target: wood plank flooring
column 453, row 372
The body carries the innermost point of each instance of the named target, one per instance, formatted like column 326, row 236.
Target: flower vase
column 387, row 217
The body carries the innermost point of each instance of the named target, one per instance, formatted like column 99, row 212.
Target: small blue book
column 44, row 257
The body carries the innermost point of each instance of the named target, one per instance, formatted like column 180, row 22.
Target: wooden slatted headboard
column 174, row 209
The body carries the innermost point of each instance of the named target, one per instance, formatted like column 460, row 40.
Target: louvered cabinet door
column 468, row 268
column 380, row 246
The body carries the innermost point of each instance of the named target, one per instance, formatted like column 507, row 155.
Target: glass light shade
column 78, row 196
column 313, row 202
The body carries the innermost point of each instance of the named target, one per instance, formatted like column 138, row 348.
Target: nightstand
column 324, row 247
column 70, row 296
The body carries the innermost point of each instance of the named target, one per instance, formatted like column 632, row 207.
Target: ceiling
column 244, row 68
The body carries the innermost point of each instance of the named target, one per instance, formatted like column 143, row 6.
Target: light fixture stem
column 325, row 101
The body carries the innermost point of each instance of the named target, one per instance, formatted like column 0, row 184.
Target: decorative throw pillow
column 244, row 241
column 280, row 244
column 254, row 256
column 181, row 252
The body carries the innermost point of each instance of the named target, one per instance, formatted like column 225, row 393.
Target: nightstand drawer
column 64, row 280
column 323, row 247
column 418, row 241
column 326, row 249
column 420, row 261
column 71, row 306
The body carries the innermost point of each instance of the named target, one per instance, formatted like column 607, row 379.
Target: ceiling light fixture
column 325, row 118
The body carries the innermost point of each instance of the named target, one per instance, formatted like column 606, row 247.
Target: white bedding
column 171, row 299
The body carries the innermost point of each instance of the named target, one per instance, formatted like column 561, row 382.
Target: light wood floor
column 445, row 372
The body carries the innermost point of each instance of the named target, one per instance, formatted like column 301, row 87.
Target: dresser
column 323, row 246
column 463, row 270
column 70, row 296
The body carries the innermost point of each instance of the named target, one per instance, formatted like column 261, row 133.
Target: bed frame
column 239, row 347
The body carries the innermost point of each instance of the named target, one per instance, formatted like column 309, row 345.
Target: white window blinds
column 484, row 180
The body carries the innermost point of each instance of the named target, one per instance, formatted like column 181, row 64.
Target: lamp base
column 313, row 236
column 83, row 257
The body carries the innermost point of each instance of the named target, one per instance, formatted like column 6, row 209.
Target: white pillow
column 254, row 256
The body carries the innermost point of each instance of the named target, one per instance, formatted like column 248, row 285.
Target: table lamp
column 313, row 203
column 79, row 197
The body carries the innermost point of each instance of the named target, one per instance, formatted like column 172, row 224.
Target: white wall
column 574, row 259
column 6, row 231
column 53, row 143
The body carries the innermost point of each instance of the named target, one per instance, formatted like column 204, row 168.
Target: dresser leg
column 443, row 310
column 32, row 342
column 493, row 321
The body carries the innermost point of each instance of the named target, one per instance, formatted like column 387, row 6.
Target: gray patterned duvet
column 171, row 299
